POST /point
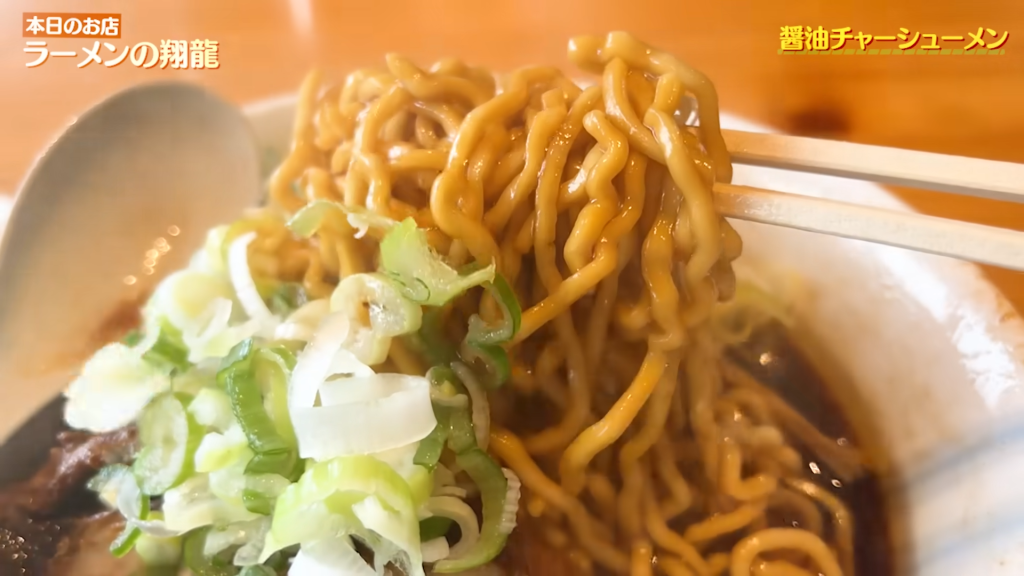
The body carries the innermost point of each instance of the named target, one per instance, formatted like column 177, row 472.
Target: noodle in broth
column 640, row 447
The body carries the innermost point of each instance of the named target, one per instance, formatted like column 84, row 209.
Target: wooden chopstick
column 964, row 240
column 938, row 172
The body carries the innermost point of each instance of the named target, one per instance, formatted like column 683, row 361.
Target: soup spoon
column 124, row 195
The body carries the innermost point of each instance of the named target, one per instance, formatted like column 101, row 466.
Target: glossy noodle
column 641, row 448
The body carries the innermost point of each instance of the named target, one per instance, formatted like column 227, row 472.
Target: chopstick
column 938, row 172
column 958, row 175
column 963, row 240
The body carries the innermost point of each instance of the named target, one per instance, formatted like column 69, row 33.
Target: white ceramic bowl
column 933, row 354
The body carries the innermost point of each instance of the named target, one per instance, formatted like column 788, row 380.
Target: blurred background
column 968, row 105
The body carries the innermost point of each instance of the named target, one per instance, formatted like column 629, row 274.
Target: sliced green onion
column 261, row 492
column 443, row 396
column 316, row 214
column 511, row 315
column 125, row 541
column 169, row 436
column 212, row 408
column 245, row 539
column 286, row 356
column 429, row 451
column 390, row 313
column 199, row 563
column 217, row 451
column 424, row 277
column 157, row 551
column 334, row 556
column 107, row 482
column 434, row 527
column 195, row 380
column 133, row 505
column 493, row 485
column 210, row 257
column 463, row 515
column 492, row 361
column 348, row 495
column 287, row 297
column 460, row 434
column 301, row 324
column 365, row 415
column 169, row 350
column 193, row 504
column 183, row 298
column 257, row 502
column 430, row 341
column 272, row 454
column 115, row 485
column 273, row 366
column 435, row 549
column 112, row 389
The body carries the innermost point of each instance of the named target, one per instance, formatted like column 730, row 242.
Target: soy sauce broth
column 773, row 356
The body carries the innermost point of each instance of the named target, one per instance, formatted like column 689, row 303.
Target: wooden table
column 969, row 105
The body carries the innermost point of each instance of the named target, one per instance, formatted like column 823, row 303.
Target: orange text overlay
column 807, row 40
column 70, row 25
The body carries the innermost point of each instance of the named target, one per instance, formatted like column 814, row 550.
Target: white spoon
column 150, row 168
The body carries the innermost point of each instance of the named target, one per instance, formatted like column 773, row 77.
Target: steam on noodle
column 639, row 447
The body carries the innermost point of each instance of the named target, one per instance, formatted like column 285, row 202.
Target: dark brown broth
column 772, row 357
column 775, row 360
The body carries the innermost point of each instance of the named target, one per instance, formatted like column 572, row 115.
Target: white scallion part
column 129, row 497
column 453, row 491
column 184, row 297
column 212, row 335
column 346, row 364
column 121, row 491
column 314, row 362
column 302, row 324
column 249, row 553
column 335, row 557
column 112, row 389
column 192, row 505
column 364, row 388
column 158, row 550
column 228, row 483
column 400, row 459
column 199, row 377
column 217, row 451
column 508, row 515
column 480, row 407
column 390, row 313
column 368, row 415
column 463, row 515
column 245, row 286
column 404, row 536
column 211, row 407
column 370, row 348
column 362, row 220
column 221, row 538
column 436, row 549
column 210, row 257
